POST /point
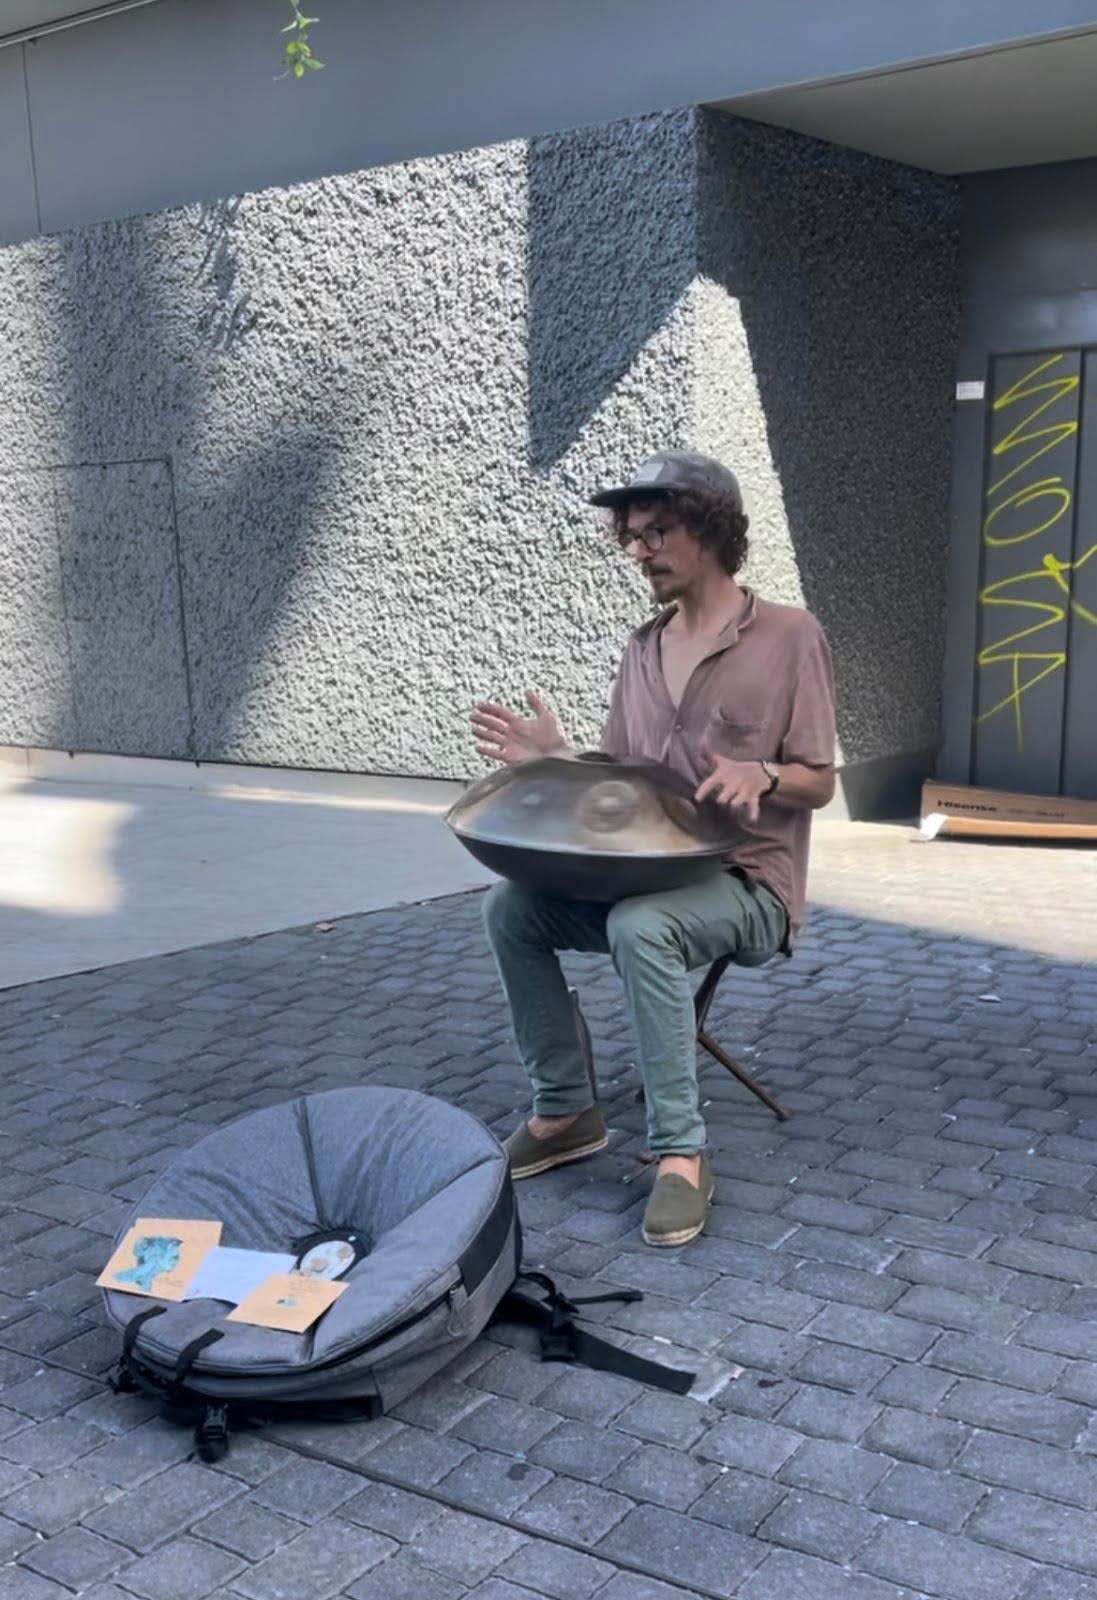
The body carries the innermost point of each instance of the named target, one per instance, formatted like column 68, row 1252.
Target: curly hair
column 717, row 520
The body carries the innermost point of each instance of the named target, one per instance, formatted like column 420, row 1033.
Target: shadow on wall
column 845, row 269
column 611, row 251
column 178, row 539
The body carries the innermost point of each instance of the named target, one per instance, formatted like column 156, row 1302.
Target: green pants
column 655, row 941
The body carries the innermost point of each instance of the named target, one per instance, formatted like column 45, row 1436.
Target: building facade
column 303, row 386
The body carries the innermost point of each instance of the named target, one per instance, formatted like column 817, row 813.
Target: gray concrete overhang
column 30, row 19
column 1010, row 106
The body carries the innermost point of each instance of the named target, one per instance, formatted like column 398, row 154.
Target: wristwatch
column 774, row 778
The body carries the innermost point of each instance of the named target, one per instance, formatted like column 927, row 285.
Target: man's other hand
column 510, row 737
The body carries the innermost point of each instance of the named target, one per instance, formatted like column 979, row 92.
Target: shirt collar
column 728, row 635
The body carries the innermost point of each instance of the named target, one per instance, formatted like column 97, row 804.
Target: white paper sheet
column 232, row 1275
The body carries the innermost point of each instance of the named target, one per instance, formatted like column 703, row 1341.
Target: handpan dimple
column 609, row 806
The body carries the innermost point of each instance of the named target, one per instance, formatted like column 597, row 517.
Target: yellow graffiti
column 1051, row 499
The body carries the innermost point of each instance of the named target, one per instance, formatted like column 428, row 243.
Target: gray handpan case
column 424, row 1183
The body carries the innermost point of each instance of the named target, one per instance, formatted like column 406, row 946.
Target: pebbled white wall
column 293, row 480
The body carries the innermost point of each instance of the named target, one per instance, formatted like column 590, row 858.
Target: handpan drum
column 592, row 827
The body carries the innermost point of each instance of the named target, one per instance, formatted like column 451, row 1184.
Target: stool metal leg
column 742, row 1074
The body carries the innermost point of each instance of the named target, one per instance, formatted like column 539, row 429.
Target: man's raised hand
column 510, row 737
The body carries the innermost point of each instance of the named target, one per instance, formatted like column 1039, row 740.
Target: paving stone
column 401, row 1577
column 14, row 1538
column 517, row 1377
column 873, row 1330
column 391, row 1511
column 21, row 1584
column 583, row 1451
column 587, row 1396
column 789, row 1575
column 1038, row 1528
column 248, row 1529
column 928, row 1441
column 663, row 1477
column 753, row 1446
column 318, row 1563
column 837, row 1469
column 942, row 1500
column 504, row 1425
column 943, row 1564
column 75, row 1558
column 914, row 1385
column 825, row 1280
column 828, row 1414
column 185, row 1569
column 630, row 1586
column 166, row 1506
column 494, row 1483
column 1079, row 1382
column 307, row 1491
column 758, row 1302
column 739, row 1501
column 554, row 1571
column 945, row 1308
column 986, row 1358
column 819, row 1525
column 50, row 1504
column 139, row 1454
column 682, row 1549
column 1048, row 1260
column 1053, row 1583
column 569, row 1509
column 1039, row 1417
column 666, row 1419
column 1064, row 1335
column 467, row 1549
column 842, row 1249
column 56, row 1442
column 420, row 1458
column 499, row 1589
column 995, row 1458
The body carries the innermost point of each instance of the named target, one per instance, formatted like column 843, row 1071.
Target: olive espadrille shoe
column 529, row 1155
column 676, row 1210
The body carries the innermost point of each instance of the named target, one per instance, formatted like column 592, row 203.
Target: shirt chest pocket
column 741, row 735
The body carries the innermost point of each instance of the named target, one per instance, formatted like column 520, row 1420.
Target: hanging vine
column 298, row 57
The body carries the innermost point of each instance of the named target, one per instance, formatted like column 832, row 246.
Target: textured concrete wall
column 293, row 480
column 837, row 281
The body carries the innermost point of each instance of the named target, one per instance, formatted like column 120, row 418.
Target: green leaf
column 295, row 48
column 290, row 27
column 312, row 62
column 298, row 69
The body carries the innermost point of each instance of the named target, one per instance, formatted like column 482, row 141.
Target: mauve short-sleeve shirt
column 765, row 692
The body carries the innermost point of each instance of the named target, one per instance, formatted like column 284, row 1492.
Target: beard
column 665, row 586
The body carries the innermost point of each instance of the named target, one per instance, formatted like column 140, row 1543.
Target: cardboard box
column 961, row 811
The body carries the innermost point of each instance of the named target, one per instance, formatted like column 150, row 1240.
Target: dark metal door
column 1035, row 724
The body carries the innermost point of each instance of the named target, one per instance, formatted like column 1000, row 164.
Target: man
column 737, row 695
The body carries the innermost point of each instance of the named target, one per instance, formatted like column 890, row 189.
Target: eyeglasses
column 652, row 537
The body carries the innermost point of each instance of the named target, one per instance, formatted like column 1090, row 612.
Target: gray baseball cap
column 674, row 469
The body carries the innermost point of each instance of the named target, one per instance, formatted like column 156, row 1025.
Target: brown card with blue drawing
column 159, row 1256
column 288, row 1301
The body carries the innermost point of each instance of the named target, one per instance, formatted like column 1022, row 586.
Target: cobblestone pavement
column 894, row 1310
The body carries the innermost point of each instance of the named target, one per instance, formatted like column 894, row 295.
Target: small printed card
column 289, row 1301
column 159, row 1256
column 231, row 1274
